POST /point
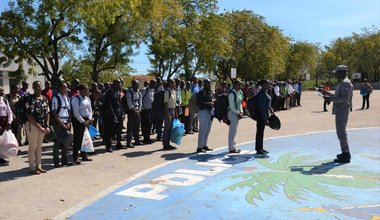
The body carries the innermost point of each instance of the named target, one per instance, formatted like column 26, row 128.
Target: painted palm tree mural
column 298, row 176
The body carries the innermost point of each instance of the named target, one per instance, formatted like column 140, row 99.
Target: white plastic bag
column 87, row 145
column 8, row 145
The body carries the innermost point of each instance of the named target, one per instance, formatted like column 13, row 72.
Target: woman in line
column 235, row 113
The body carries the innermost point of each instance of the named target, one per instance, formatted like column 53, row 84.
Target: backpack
column 59, row 106
column 193, row 103
column 222, row 106
column 252, row 107
column 20, row 107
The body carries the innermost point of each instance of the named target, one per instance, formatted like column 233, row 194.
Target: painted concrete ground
column 298, row 180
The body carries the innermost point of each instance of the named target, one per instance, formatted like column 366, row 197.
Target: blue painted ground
column 296, row 181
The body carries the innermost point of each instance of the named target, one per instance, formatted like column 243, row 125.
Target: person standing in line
column 48, row 92
column 112, row 115
column 13, row 97
column 299, row 92
column 365, row 91
column 146, row 112
column 6, row 118
column 326, row 88
column 82, row 110
column 37, row 126
column 169, row 113
column 276, row 96
column 158, row 109
column 204, row 99
column 195, row 88
column 23, row 91
column 341, row 109
column 186, row 95
column 60, row 108
column 262, row 112
column 235, row 113
column 134, row 102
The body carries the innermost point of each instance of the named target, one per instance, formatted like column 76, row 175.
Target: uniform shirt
column 63, row 113
column 234, row 104
column 264, row 102
column 185, row 96
column 134, row 100
column 170, row 98
column 81, row 107
column 38, row 108
column 342, row 97
column 5, row 109
column 147, row 97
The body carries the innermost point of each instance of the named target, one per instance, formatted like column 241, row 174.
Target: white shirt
column 81, row 109
column 63, row 114
column 5, row 110
column 276, row 90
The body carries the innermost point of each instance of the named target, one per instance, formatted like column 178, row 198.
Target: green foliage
column 40, row 31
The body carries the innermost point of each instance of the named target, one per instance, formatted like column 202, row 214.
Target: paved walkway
column 297, row 180
column 45, row 196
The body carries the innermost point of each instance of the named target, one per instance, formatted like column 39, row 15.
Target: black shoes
column 343, row 158
column 3, row 162
column 201, row 150
column 235, row 151
column 129, row 145
column 266, row 152
column 207, row 148
column 170, row 147
column 109, row 150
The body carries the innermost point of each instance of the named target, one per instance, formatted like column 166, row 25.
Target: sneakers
column 343, row 158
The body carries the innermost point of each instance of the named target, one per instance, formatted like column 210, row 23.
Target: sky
column 315, row 21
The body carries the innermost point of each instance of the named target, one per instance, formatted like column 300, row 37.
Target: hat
column 341, row 68
column 274, row 122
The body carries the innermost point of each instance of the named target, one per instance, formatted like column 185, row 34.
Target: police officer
column 134, row 102
column 341, row 109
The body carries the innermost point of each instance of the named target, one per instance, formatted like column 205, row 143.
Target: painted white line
column 73, row 210
column 362, row 207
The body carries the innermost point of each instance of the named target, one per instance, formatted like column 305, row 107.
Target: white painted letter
column 145, row 191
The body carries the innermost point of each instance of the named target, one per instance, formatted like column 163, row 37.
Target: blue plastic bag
column 93, row 131
column 177, row 131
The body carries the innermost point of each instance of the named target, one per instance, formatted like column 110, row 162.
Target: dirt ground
column 44, row 196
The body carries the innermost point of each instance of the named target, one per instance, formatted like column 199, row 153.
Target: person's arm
column 90, row 110
column 54, row 106
column 8, row 111
column 75, row 105
column 231, row 103
column 343, row 95
column 129, row 100
column 141, row 101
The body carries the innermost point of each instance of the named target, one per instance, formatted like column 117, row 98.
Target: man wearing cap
column 341, row 109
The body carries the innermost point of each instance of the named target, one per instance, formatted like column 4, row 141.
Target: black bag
column 252, row 107
column 221, row 106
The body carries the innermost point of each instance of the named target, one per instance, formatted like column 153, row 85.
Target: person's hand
column 47, row 130
column 8, row 127
column 43, row 130
column 68, row 126
column 240, row 115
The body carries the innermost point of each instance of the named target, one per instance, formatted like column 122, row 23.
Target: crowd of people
column 62, row 115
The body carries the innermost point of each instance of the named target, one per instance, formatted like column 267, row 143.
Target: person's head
column 14, row 89
column 341, row 71
column 265, row 85
column 152, row 84
column 224, row 84
column 159, row 81
column 101, row 86
column 25, row 85
column 47, row 84
column 327, row 83
column 207, row 84
column 171, row 84
column 75, row 84
column 237, row 84
column 135, row 85
column 365, row 80
column 194, row 80
column 146, row 83
column 106, row 85
column 83, row 90
column 94, row 86
column 200, row 83
column 1, row 91
column 188, row 84
column 62, row 88
column 37, row 87
column 116, row 85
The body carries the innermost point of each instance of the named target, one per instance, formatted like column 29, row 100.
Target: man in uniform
column 341, row 109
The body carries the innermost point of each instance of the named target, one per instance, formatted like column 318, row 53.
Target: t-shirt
column 170, row 98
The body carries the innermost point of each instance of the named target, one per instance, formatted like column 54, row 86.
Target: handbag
column 87, row 145
column 8, row 145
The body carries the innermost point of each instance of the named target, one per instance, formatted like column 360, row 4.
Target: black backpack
column 252, row 107
column 221, row 106
column 20, row 107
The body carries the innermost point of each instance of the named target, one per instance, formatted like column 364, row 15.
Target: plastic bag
column 8, row 145
column 177, row 131
column 93, row 131
column 87, row 145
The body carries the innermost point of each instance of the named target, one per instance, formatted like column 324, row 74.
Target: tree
column 112, row 28
column 40, row 31
column 302, row 59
